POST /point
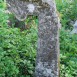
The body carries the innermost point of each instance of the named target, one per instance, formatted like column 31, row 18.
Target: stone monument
column 47, row 61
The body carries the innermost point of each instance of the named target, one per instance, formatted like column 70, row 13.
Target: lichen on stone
column 48, row 40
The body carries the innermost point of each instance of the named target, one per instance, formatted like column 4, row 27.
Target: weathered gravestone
column 47, row 62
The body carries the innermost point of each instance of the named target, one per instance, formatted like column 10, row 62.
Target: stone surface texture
column 74, row 31
column 47, row 61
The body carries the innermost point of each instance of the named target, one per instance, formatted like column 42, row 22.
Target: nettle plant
column 68, row 11
column 17, row 52
column 17, row 49
column 68, row 54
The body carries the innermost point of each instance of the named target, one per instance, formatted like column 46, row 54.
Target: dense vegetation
column 18, row 46
column 68, row 42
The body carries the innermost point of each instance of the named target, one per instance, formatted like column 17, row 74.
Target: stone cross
column 47, row 61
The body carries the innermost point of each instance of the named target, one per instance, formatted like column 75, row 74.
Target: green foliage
column 68, row 11
column 2, row 4
column 3, row 18
column 17, row 52
column 68, row 54
column 17, row 49
column 68, row 42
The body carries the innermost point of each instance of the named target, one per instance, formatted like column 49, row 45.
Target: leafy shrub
column 3, row 18
column 17, row 52
column 68, row 11
column 17, row 49
column 68, row 54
